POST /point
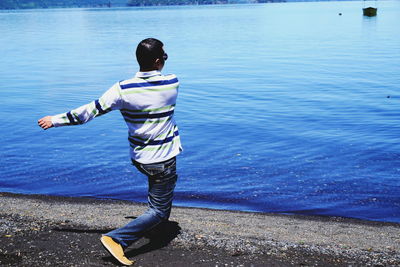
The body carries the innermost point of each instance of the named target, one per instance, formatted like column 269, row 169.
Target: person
column 146, row 102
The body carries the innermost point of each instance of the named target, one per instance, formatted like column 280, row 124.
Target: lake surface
column 286, row 107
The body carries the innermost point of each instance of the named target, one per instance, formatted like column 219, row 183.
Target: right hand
column 45, row 122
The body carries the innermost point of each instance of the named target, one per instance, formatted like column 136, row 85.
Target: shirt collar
column 147, row 74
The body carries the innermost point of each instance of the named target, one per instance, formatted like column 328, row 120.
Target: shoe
column 115, row 250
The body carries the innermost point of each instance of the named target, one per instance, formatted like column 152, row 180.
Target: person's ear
column 158, row 64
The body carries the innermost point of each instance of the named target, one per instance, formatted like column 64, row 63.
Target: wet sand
column 37, row 230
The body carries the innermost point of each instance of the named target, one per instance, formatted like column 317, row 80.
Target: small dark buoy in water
column 340, row 14
column 388, row 96
column 370, row 11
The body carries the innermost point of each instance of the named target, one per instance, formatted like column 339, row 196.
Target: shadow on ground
column 158, row 237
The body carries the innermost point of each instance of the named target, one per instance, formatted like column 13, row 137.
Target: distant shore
column 37, row 230
column 37, row 4
column 45, row 4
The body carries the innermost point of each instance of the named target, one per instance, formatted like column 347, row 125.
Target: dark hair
column 148, row 51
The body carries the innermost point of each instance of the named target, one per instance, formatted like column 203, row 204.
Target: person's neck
column 148, row 70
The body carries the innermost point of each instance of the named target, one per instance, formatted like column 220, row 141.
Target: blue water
column 284, row 107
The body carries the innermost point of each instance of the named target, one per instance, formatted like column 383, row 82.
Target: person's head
column 150, row 54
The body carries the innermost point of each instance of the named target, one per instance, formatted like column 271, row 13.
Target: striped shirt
column 147, row 103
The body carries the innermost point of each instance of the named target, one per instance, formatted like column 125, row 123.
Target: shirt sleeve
column 110, row 100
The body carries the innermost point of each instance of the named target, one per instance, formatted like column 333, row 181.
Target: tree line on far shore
column 192, row 2
column 27, row 4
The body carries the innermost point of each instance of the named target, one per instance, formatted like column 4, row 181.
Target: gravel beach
column 37, row 230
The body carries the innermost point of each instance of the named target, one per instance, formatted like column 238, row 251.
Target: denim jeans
column 162, row 179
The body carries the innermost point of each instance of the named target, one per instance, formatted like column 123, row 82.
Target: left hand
column 45, row 122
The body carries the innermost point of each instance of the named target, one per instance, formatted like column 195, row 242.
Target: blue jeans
column 162, row 179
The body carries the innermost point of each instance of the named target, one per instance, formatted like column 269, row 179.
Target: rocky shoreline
column 37, row 230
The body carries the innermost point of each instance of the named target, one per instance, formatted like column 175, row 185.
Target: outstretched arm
column 110, row 100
